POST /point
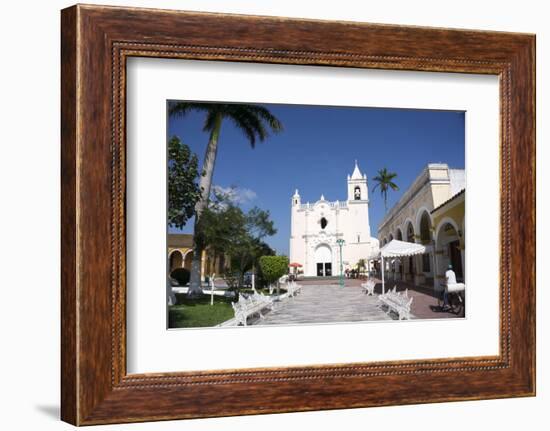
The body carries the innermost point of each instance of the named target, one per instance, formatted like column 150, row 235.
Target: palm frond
column 259, row 111
column 393, row 186
column 254, row 123
column 253, row 120
column 181, row 109
column 247, row 130
column 210, row 121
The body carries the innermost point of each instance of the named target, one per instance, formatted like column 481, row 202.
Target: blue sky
column 317, row 150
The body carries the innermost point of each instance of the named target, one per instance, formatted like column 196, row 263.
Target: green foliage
column 273, row 267
column 181, row 275
column 262, row 249
column 183, row 189
column 384, row 180
column 227, row 229
column 232, row 279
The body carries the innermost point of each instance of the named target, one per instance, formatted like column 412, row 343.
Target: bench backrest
column 399, row 298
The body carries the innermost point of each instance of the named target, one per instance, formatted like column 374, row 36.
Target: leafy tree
column 246, row 256
column 257, row 226
column 183, row 188
column 254, row 121
column 273, row 267
column 226, row 229
column 221, row 224
column 384, row 180
column 263, row 249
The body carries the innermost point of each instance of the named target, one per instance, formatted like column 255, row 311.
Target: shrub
column 273, row 267
column 181, row 275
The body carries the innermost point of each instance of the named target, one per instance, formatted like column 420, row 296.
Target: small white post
column 170, row 297
column 254, row 282
column 212, row 289
column 383, row 285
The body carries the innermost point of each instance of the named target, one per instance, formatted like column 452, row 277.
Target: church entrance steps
column 319, row 279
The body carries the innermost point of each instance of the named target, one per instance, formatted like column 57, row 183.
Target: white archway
column 421, row 211
column 406, row 231
column 425, row 235
column 447, row 241
column 399, row 234
column 442, row 223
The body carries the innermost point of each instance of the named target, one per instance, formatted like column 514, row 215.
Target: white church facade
column 316, row 228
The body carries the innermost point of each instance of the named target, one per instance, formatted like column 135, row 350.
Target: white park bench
column 292, row 289
column 368, row 287
column 282, row 281
column 400, row 303
column 250, row 305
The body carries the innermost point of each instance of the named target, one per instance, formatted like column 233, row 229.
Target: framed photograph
column 267, row 215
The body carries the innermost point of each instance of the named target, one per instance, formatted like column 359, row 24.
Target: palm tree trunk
column 205, row 185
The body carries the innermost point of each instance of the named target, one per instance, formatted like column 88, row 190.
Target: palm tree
column 253, row 121
column 384, row 180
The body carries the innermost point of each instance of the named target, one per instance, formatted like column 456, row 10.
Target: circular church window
column 324, row 223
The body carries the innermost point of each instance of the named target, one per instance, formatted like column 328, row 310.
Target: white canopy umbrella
column 396, row 248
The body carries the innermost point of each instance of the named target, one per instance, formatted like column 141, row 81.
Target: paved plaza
column 330, row 303
column 323, row 304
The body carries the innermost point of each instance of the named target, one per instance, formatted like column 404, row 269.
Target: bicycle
column 455, row 301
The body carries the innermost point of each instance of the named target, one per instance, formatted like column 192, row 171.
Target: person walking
column 450, row 279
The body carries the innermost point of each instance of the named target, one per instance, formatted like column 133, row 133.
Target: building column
column 435, row 271
column 400, row 269
column 462, row 257
column 420, row 278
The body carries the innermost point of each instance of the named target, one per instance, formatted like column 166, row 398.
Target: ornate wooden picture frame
column 96, row 42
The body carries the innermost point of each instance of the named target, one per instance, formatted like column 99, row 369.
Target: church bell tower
column 357, row 186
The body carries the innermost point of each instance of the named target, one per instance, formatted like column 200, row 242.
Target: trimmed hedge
column 273, row 267
column 181, row 275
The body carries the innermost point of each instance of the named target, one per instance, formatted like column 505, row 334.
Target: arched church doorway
column 323, row 260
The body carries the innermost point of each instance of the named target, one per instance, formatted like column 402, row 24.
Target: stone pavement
column 324, row 304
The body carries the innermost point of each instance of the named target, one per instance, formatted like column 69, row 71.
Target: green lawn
column 198, row 313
